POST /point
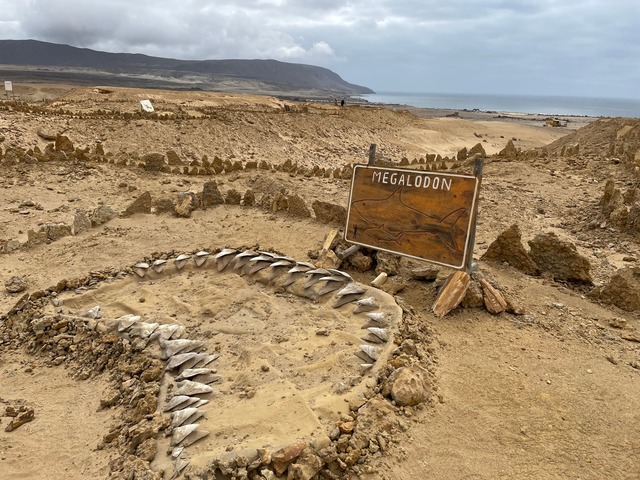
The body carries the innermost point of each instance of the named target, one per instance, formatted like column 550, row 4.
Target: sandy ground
column 548, row 394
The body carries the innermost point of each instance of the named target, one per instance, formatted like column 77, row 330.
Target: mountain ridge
column 272, row 75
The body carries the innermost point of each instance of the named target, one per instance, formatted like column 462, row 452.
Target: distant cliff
column 206, row 74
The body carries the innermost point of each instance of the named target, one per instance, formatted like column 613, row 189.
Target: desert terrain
column 192, row 217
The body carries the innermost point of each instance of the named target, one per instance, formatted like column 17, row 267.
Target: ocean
column 546, row 105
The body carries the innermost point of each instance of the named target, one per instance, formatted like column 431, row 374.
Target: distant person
column 342, row 103
column 335, row 102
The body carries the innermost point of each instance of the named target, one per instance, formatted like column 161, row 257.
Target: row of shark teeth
column 192, row 382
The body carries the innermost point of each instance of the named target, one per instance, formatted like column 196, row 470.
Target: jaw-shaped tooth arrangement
column 200, row 258
column 181, row 260
column 224, row 257
column 159, row 265
column 185, row 416
column 366, row 305
column 181, row 345
column 187, row 362
column 140, row 269
column 376, row 335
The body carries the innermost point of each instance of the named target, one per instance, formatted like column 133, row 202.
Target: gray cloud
column 573, row 47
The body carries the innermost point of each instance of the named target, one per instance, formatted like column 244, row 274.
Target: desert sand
column 547, row 388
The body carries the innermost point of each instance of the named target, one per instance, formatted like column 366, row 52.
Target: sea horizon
column 529, row 104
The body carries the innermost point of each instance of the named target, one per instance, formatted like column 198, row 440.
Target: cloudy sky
column 543, row 47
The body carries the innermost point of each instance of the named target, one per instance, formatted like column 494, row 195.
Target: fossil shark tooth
column 159, row 265
column 333, row 284
column 181, row 260
column 181, row 345
column 179, row 402
column 200, row 258
column 143, row 329
column 187, row 387
column 340, row 273
column 140, row 269
column 126, row 321
column 258, row 263
column 188, row 373
column 180, row 433
column 280, row 258
column 315, row 275
column 344, row 299
column 200, row 403
column 368, row 353
column 185, row 416
column 165, row 330
column 268, row 254
column 224, row 257
column 179, row 333
column 204, row 359
column 176, row 452
column 378, row 318
column 364, row 367
column 302, row 267
column 242, row 258
column 377, row 335
column 93, row 312
column 194, row 437
column 179, row 359
column 351, row 289
column 180, row 464
column 277, row 268
column 366, row 305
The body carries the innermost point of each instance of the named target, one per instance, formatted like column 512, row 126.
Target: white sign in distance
column 146, row 105
column 8, row 86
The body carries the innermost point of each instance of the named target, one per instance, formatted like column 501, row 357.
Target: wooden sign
column 146, row 105
column 424, row 215
column 8, row 86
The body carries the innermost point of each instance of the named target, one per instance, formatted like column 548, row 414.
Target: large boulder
column 622, row 290
column 507, row 247
column 559, row 258
column 102, row 215
column 297, row 207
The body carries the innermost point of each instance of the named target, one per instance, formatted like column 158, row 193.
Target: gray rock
column 81, row 222
column 211, row 195
column 102, row 215
column 16, row 284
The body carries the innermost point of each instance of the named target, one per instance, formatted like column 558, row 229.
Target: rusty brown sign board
column 424, row 215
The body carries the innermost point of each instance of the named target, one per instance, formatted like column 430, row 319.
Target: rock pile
column 621, row 210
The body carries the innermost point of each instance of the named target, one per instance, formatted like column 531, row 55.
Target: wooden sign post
column 419, row 214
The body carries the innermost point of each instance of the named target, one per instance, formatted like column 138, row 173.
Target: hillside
column 273, row 76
